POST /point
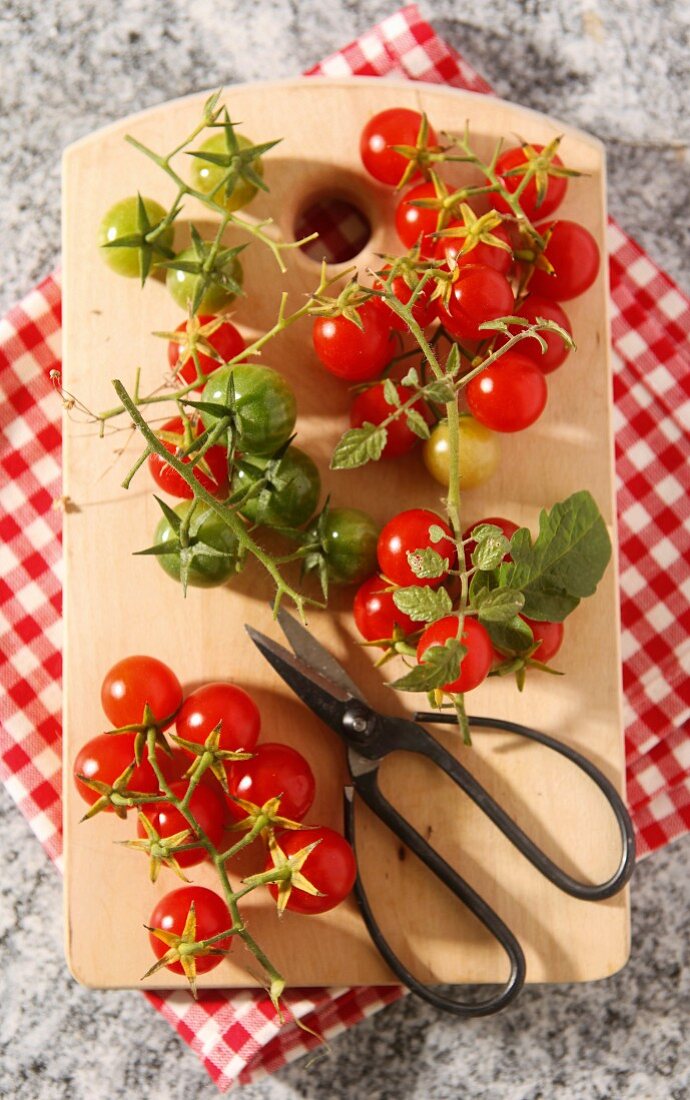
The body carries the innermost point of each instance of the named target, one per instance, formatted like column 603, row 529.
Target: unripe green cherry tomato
column 182, row 285
column 207, row 176
column 205, row 571
column 349, row 545
column 479, row 455
column 292, row 496
column 264, row 403
column 121, row 220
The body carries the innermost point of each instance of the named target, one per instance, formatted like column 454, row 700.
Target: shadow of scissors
column 323, row 685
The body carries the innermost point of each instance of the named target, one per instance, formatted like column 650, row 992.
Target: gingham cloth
column 236, row 1034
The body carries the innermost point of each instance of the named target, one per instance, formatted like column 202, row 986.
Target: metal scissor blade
column 327, row 700
column 306, row 647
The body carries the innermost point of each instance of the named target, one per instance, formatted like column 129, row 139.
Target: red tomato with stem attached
column 208, row 809
column 376, row 616
column 134, row 682
column 416, row 224
column 169, row 480
column 476, row 664
column 409, row 531
column 509, row 395
column 228, row 704
column 371, row 407
column 574, row 255
column 556, row 353
column 105, row 757
column 351, row 353
column 479, row 294
column 550, row 638
column 275, row 770
column 423, row 310
column 556, row 186
column 212, row 918
column 449, row 249
column 226, row 340
column 330, row 867
column 394, row 126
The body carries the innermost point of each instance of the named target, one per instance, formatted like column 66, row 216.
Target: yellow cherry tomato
column 206, row 176
column 480, row 453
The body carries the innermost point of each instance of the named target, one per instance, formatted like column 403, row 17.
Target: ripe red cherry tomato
column 355, row 354
column 375, row 613
column 556, row 186
column 476, row 664
column 104, row 758
column 275, row 770
column 395, row 126
column 550, row 637
column 371, row 406
column 225, row 703
column 209, row 811
column 556, row 352
column 330, row 867
column 409, row 531
column 226, row 340
column 479, row 294
column 574, row 255
column 509, row 395
column 490, row 255
column 415, row 224
column 212, row 918
column 135, row 681
column 170, row 481
column 423, row 311
column 507, row 526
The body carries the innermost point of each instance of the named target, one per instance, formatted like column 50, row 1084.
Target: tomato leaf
column 490, row 550
column 500, row 605
column 436, row 533
column 427, row 563
column 422, row 603
column 439, row 392
column 440, row 667
column 417, row 424
column 566, row 561
column 452, row 365
column 359, row 446
column 390, row 392
column 411, row 379
column 514, row 636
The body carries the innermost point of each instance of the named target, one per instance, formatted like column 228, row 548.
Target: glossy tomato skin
column 555, row 189
column 476, row 664
column 121, row 220
column 264, row 400
column 406, row 532
column 170, row 481
column 207, row 176
column 574, row 255
column 449, row 249
column 371, row 406
column 182, row 286
column 376, row 616
column 208, row 809
column 549, row 635
column 226, row 340
column 349, row 545
column 508, row 396
column 274, row 771
column 104, row 758
column 289, row 505
column 330, row 867
column 395, row 126
column 136, row 681
column 479, row 457
column 222, row 703
column 416, row 224
column 479, row 294
column 212, row 918
column 205, row 571
column 534, row 307
column 351, row 353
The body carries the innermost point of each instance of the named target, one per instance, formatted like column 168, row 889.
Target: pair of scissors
column 321, row 682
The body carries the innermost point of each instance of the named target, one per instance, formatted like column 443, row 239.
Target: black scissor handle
column 368, row 789
column 428, row 746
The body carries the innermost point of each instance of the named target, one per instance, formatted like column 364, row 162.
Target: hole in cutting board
column 343, row 227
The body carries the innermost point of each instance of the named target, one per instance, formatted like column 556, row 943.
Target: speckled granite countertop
column 617, row 69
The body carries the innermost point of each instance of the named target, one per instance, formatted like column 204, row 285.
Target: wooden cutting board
column 116, row 604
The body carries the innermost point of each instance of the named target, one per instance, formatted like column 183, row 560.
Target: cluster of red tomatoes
column 378, row 619
column 487, row 274
column 270, row 771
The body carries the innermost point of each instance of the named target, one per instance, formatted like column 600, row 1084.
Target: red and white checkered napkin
column 236, row 1034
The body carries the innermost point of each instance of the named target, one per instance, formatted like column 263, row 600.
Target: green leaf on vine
column 512, row 637
column 390, row 392
column 439, row 392
column 500, row 605
column 358, row 446
column 417, row 424
column 436, row 533
column 411, row 379
column 490, row 550
column 422, row 603
column 452, row 365
column 427, row 563
column 440, row 667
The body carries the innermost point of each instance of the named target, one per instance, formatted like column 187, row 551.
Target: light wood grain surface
column 116, row 604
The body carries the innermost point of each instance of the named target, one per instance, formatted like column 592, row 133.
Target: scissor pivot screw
column 358, row 724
